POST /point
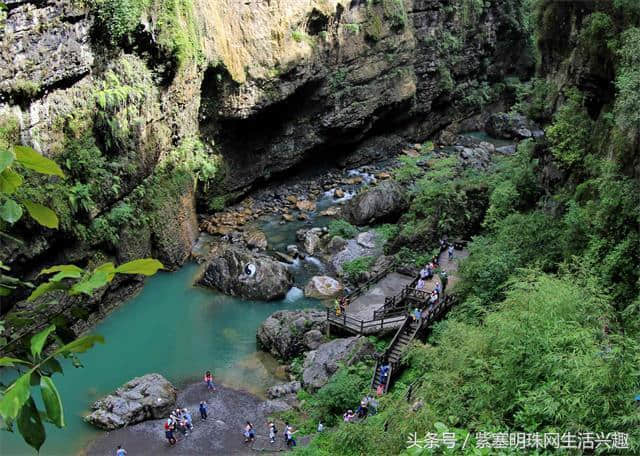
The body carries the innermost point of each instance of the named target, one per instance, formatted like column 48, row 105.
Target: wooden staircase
column 409, row 330
column 403, row 337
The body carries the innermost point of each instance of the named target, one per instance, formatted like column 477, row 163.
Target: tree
column 17, row 406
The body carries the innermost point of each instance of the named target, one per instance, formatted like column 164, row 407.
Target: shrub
column 352, row 269
column 343, row 229
column 569, row 135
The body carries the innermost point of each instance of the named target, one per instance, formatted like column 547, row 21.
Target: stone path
column 392, row 284
column 362, row 308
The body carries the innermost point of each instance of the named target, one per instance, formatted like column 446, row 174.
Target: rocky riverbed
column 220, row 434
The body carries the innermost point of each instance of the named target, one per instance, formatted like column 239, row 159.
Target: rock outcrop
column 239, row 272
column 323, row 362
column 511, row 126
column 323, row 287
column 385, row 202
column 283, row 332
column 144, row 398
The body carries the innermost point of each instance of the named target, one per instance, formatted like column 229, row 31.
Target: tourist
column 443, row 280
column 424, row 273
column 208, row 379
column 168, row 431
column 348, row 416
column 291, row 441
column 320, row 426
column 450, row 251
column 373, row 406
column 287, row 429
column 183, row 427
column 272, row 432
column 434, row 298
column 187, row 417
column 384, row 372
column 420, row 285
column 249, row 434
column 416, row 314
column 203, row 410
column 121, row 451
column 438, row 288
column 363, row 408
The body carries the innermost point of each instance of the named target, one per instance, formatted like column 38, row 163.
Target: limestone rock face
column 52, row 42
column 283, row 389
column 386, row 201
column 321, row 363
column 511, row 126
column 323, row 287
column 238, row 272
column 283, row 332
column 144, row 398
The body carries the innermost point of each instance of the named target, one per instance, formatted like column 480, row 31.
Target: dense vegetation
column 545, row 337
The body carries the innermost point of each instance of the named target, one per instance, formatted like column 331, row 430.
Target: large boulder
column 322, row 363
column 283, row 332
column 384, row 202
column 283, row 389
column 237, row 272
column 144, row 398
column 323, row 287
column 511, row 126
column 256, row 239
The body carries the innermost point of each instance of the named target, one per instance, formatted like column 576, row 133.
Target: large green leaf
column 6, row 158
column 9, row 181
column 44, row 288
column 38, row 340
column 80, row 345
column 10, row 211
column 9, row 362
column 61, row 268
column 145, row 266
column 41, row 214
column 31, row 159
column 14, row 397
column 87, row 286
column 109, row 268
column 52, row 401
column 30, row 425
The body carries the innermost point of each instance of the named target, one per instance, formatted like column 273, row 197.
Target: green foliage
column 117, row 18
column 352, row 269
column 352, row 27
column 627, row 107
column 374, row 28
column 471, row 11
column 191, row 156
column 179, row 34
column 569, row 134
column 409, row 169
column 386, row 232
column 536, row 99
column 395, row 13
column 342, row 228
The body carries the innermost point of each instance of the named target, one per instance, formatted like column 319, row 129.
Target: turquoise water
column 483, row 136
column 170, row 327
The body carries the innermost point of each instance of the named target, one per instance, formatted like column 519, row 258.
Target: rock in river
column 283, row 332
column 148, row 397
column 237, row 272
column 322, row 363
column 382, row 203
column 323, row 287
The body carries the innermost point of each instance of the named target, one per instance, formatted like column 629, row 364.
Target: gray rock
column 283, row 389
column 313, row 339
column 273, row 406
column 323, row 287
column 507, row 150
column 384, row 202
column 367, row 239
column 226, row 271
column 322, row 363
column 336, row 244
column 284, row 258
column 311, row 242
column 282, row 333
column 144, row 398
column 510, row 126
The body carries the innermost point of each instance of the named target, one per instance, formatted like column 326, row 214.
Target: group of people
column 341, row 305
column 179, row 420
column 368, row 406
column 273, row 430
